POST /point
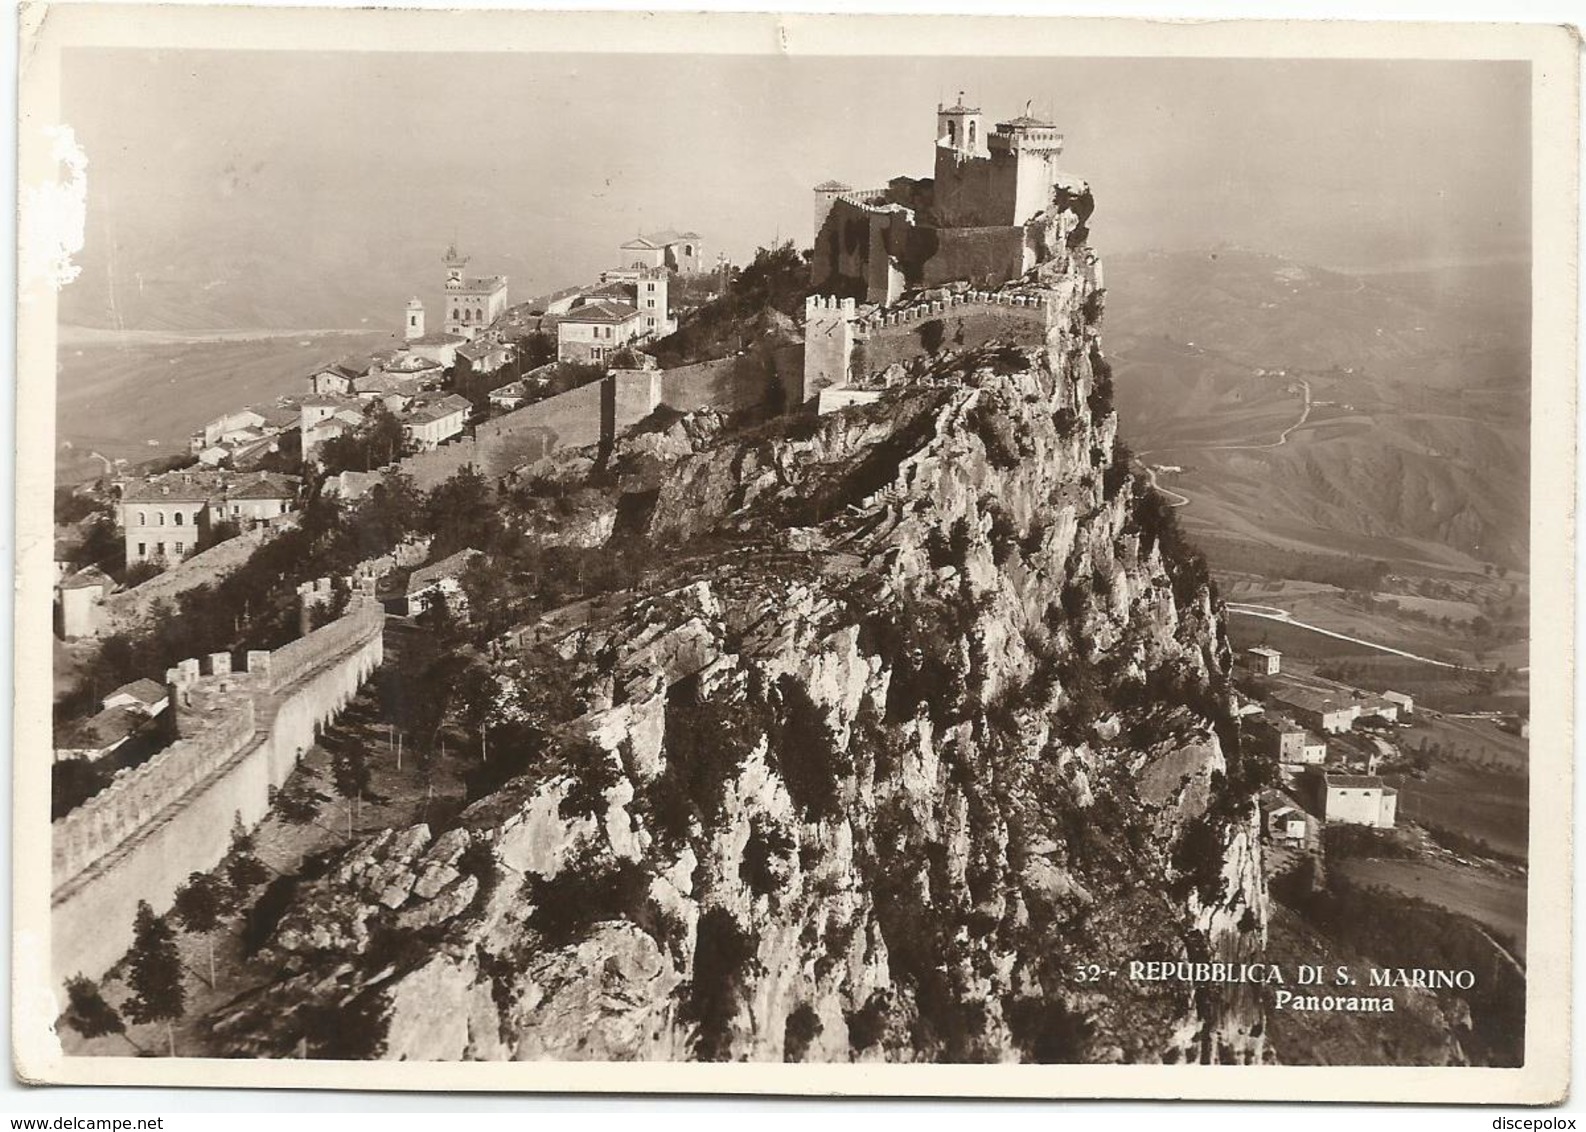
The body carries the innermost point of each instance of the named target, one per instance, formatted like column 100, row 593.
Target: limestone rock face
column 929, row 712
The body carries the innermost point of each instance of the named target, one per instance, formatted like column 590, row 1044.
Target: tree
column 350, row 771
column 244, row 871
column 297, row 802
column 88, row 1013
column 201, row 906
column 155, row 974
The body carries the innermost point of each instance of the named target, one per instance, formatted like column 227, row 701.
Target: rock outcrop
column 921, row 737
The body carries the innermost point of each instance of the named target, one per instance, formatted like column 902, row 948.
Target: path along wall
column 240, row 735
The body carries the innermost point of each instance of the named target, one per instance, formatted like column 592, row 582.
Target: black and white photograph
column 846, row 563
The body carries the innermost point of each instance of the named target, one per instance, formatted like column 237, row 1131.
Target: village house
column 645, row 289
column 325, row 416
column 143, row 696
column 482, row 357
column 682, row 252
column 99, row 736
column 1262, row 660
column 509, row 396
column 79, row 597
column 1380, row 707
column 472, row 302
column 1317, row 711
column 243, row 435
column 438, row 348
column 1313, row 751
column 1406, row 703
column 1286, row 823
column 338, row 377
column 1282, row 738
column 596, row 330
column 164, row 517
column 439, row 580
column 1358, row 799
column 433, row 419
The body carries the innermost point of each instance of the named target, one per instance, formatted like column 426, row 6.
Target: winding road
column 1178, row 499
column 1273, row 613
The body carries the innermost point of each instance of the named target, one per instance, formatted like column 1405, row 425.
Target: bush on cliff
column 724, row 960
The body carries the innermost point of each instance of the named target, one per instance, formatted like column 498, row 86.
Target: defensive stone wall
column 952, row 325
column 240, row 733
column 729, row 384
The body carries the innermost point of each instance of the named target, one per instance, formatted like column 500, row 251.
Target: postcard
column 795, row 554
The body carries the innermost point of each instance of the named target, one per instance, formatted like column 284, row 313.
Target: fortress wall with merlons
column 240, row 736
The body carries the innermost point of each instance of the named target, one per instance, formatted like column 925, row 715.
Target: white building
column 682, row 252
column 437, row 580
column 433, row 419
column 594, row 331
column 1359, row 799
column 1263, row 660
column 1405, row 702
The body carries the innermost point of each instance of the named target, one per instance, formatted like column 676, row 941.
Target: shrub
column 586, row 892
column 803, row 1027
column 868, row 1025
column 723, row 960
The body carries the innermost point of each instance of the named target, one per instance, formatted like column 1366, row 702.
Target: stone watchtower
column 826, row 194
column 828, row 343
column 961, row 129
column 414, row 325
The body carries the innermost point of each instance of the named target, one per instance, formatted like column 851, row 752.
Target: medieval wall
column 240, row 736
column 983, row 256
column 729, row 384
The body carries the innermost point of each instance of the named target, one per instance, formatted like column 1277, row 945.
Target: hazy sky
column 330, row 182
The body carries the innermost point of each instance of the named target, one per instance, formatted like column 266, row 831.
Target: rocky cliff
column 917, row 735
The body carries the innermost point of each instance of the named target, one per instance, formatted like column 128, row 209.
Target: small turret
column 414, row 327
column 961, row 129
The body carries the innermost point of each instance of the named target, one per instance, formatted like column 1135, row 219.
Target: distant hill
column 1416, row 445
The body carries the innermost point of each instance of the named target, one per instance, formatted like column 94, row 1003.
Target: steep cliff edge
column 916, row 737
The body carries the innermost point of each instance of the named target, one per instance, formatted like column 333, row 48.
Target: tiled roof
column 1309, row 701
column 661, row 239
column 86, row 577
column 1354, row 781
column 601, row 311
column 97, row 732
column 269, row 485
column 511, row 389
column 145, row 691
column 449, row 567
column 424, row 412
column 437, row 339
column 480, row 284
column 1025, row 122
column 176, row 487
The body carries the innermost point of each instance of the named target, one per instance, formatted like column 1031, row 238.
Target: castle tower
column 1032, row 146
column 826, row 194
column 961, row 129
column 828, row 343
column 414, row 327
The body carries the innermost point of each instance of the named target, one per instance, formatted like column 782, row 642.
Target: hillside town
column 871, row 496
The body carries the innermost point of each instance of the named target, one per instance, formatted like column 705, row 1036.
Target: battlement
column 817, row 303
column 218, row 708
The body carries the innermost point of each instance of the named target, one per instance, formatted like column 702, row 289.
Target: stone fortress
column 980, row 252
